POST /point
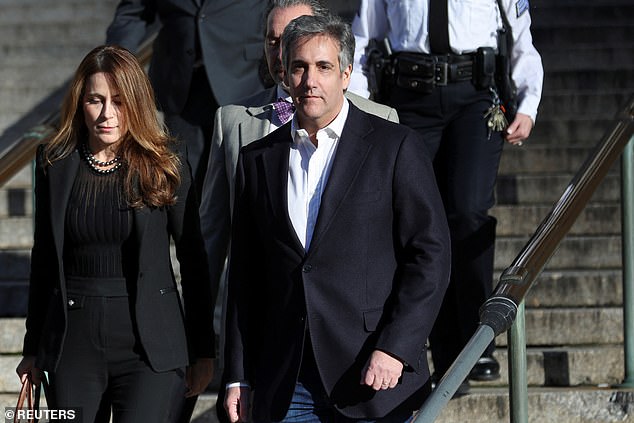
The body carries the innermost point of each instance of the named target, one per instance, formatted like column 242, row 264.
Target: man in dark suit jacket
column 206, row 54
column 250, row 119
column 340, row 252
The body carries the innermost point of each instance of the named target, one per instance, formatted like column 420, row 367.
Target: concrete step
column 564, row 366
column 30, row 13
column 12, row 332
column 575, row 252
column 567, row 103
column 14, row 298
column 26, row 92
column 22, row 179
column 15, row 202
column 541, row 159
column 571, row 33
column 570, row 366
column 583, row 80
column 491, row 405
column 513, row 219
column 575, row 288
column 546, row 327
column 547, row 189
column 51, row 2
column 28, row 77
column 557, row 15
column 16, row 232
column 566, row 327
column 15, row 264
column 546, row 4
column 591, row 58
column 50, row 33
column 553, row 289
column 545, row 405
column 595, row 219
column 580, row 131
column 18, row 56
column 56, row 40
column 9, row 381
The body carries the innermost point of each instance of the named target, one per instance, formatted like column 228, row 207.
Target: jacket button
column 307, row 268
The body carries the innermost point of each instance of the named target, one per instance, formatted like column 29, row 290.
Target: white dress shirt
column 472, row 24
column 308, row 171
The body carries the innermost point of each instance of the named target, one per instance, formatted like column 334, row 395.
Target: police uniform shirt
column 472, row 24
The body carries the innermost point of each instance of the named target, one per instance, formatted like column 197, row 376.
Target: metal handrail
column 501, row 309
column 19, row 142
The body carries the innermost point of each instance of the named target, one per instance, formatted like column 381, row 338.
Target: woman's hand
column 198, row 376
column 27, row 368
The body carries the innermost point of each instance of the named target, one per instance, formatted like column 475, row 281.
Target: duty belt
column 421, row 72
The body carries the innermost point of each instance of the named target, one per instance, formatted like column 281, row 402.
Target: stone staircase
column 574, row 313
column 574, row 318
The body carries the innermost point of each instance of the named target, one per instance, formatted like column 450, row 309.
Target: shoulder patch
column 521, row 6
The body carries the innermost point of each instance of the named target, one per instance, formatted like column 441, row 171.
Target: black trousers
column 466, row 160
column 103, row 369
column 194, row 125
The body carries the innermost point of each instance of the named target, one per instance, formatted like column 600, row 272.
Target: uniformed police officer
column 440, row 81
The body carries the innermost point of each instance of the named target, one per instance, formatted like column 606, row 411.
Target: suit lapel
column 61, row 178
column 274, row 161
column 257, row 121
column 351, row 153
column 259, row 118
column 255, row 126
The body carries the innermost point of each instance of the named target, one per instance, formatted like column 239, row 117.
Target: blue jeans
column 310, row 404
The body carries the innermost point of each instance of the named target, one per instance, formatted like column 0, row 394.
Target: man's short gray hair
column 310, row 26
column 316, row 7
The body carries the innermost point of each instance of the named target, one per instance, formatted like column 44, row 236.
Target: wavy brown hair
column 151, row 167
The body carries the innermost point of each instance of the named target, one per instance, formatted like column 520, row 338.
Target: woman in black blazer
column 105, row 317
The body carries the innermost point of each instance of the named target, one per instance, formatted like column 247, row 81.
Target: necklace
column 97, row 165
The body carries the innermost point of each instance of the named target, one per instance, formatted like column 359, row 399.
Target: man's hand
column 519, row 129
column 237, row 403
column 382, row 371
column 198, row 376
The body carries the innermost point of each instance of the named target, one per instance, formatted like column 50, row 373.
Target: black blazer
column 228, row 32
column 170, row 337
column 373, row 278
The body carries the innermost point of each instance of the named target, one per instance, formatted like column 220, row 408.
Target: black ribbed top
column 98, row 239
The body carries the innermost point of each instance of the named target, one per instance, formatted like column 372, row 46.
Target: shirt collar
column 332, row 130
column 282, row 94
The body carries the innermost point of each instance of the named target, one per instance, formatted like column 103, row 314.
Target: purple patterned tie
column 283, row 110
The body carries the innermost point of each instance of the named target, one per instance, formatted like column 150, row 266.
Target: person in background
column 339, row 252
column 250, row 119
column 105, row 318
column 206, row 54
column 443, row 57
